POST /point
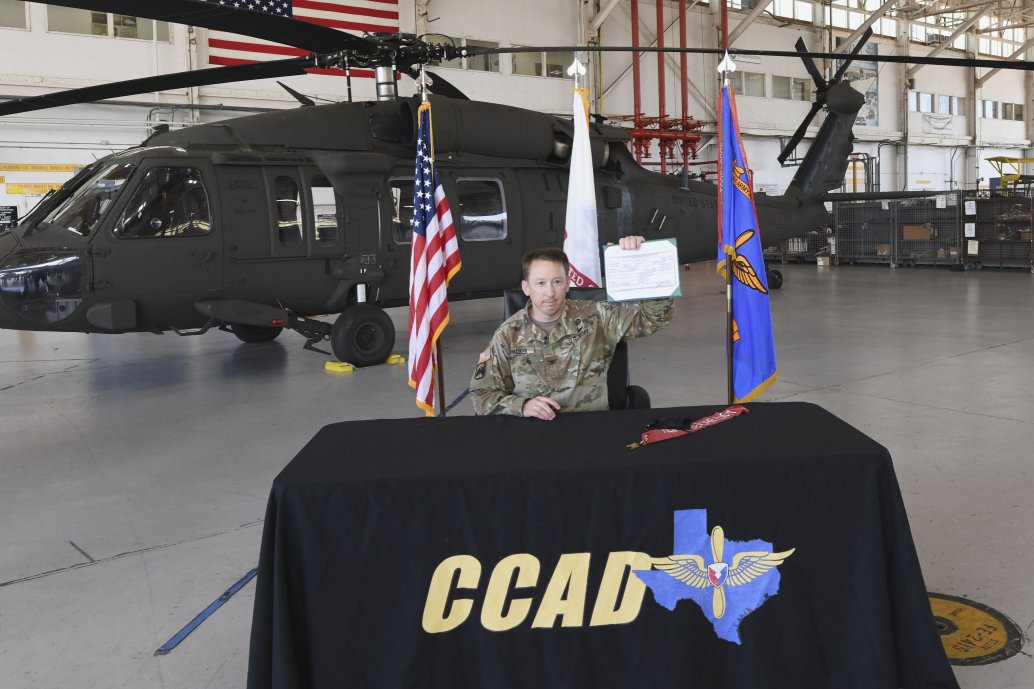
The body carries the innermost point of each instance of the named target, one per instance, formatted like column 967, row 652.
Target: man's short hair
column 551, row 255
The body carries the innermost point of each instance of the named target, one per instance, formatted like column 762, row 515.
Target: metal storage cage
column 864, row 231
column 1001, row 229
column 927, row 230
column 917, row 231
column 798, row 249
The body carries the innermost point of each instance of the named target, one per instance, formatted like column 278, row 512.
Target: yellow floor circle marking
column 974, row 634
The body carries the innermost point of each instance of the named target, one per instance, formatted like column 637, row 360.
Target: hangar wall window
column 988, row 109
column 170, row 202
column 482, row 209
column 324, row 209
column 68, row 20
column 791, row 88
column 748, row 83
column 793, row 9
column 920, row 102
column 478, row 63
column 542, row 64
column 12, row 14
column 288, row 211
column 401, row 209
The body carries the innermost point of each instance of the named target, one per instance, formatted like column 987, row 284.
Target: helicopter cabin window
column 69, row 20
column 288, row 211
column 12, row 14
column 83, row 210
column 170, row 202
column 482, row 209
column 324, row 208
column 401, row 210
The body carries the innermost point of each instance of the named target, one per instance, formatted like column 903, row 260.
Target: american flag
column 435, row 258
column 354, row 16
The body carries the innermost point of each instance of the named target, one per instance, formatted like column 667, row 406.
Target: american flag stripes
column 354, row 16
column 435, row 258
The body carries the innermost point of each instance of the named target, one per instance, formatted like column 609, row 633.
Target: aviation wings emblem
column 746, row 566
column 742, row 270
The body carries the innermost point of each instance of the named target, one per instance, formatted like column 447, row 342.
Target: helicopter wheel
column 775, row 279
column 255, row 333
column 362, row 335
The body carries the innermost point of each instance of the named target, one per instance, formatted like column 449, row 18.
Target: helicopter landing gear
column 362, row 335
column 255, row 333
column 775, row 279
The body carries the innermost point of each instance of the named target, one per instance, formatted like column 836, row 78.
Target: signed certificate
column 652, row 272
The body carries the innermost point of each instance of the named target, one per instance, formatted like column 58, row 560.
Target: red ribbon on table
column 656, row 435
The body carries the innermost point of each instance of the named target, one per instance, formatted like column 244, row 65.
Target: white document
column 652, row 272
column 971, row 207
column 941, row 201
column 971, row 229
column 972, row 247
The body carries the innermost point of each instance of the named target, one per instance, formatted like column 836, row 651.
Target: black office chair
column 621, row 394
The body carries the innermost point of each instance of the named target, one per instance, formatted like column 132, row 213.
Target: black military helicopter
column 263, row 222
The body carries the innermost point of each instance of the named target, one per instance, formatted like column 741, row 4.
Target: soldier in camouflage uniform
column 554, row 354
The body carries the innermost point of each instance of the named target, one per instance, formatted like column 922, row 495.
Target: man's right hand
column 541, row 408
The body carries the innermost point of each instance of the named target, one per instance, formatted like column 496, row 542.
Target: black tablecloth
column 359, row 522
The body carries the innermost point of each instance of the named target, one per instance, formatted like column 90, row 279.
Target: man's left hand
column 631, row 243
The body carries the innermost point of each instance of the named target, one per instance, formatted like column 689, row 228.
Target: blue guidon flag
column 739, row 246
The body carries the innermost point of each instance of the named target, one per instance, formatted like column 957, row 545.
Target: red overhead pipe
column 660, row 82
column 636, row 105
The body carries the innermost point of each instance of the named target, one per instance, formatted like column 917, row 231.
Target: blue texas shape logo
column 740, row 576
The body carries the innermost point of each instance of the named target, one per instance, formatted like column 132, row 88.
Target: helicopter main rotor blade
column 799, row 134
column 300, row 34
column 809, row 64
column 733, row 52
column 437, row 85
column 178, row 80
column 844, row 64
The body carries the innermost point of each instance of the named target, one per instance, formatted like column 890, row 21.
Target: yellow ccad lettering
column 438, row 616
column 571, row 576
column 619, row 571
column 523, row 570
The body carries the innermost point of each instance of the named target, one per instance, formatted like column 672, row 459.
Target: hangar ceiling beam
column 602, row 15
column 963, row 28
column 1019, row 51
column 850, row 40
column 747, row 21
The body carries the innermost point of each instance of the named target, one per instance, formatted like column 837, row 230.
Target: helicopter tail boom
column 825, row 163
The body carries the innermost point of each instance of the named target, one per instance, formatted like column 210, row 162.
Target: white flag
column 581, row 237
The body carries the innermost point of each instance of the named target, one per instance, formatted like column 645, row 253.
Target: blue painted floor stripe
column 205, row 614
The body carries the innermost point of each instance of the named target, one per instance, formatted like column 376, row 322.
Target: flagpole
column 438, row 371
column 440, row 375
column 728, row 265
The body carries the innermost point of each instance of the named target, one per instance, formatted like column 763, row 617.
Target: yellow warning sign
column 973, row 634
column 32, row 189
column 40, row 167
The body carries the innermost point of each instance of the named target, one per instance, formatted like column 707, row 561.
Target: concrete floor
column 134, row 469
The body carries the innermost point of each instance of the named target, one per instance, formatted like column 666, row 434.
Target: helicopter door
column 485, row 213
column 164, row 251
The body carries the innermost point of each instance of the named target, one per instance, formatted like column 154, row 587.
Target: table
column 498, row 552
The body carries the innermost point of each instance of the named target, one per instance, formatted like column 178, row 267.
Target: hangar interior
column 135, row 468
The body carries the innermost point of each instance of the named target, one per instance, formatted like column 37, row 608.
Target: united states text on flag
column 353, row 16
column 581, row 235
column 435, row 258
column 739, row 247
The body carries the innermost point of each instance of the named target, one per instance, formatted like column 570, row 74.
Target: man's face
column 546, row 286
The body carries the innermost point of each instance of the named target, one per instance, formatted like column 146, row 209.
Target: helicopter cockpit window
column 82, row 211
column 401, row 210
column 288, row 211
column 482, row 209
column 324, row 206
column 170, row 202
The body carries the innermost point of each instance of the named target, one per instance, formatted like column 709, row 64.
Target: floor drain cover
column 974, row 634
